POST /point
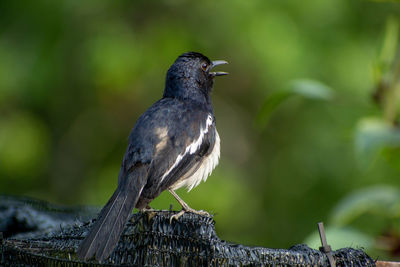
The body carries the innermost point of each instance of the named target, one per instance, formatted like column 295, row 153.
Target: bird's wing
column 180, row 138
column 183, row 152
column 202, row 164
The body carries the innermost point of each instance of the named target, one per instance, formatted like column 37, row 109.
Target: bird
column 173, row 144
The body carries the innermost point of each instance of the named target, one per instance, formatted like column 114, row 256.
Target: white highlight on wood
column 207, row 165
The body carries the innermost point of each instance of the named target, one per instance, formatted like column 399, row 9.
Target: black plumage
column 173, row 144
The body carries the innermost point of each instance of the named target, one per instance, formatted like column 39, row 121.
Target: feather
column 105, row 233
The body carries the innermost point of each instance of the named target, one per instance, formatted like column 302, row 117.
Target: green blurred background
column 308, row 116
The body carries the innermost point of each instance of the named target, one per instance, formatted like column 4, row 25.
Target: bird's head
column 190, row 77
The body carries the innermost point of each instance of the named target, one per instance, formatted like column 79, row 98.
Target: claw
column 147, row 209
column 185, row 208
column 179, row 214
column 176, row 216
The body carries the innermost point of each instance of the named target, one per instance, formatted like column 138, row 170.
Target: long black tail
column 105, row 233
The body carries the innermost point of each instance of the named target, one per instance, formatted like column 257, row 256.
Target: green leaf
column 381, row 199
column 372, row 135
column 311, row 89
column 340, row 238
column 389, row 47
column 306, row 88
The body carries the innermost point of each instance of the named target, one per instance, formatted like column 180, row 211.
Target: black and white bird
column 174, row 144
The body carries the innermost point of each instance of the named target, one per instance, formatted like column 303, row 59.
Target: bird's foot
column 188, row 209
column 185, row 208
column 149, row 212
column 147, row 209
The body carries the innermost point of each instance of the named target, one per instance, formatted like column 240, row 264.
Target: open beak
column 217, row 63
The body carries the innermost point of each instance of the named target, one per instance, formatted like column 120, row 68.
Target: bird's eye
column 204, row 66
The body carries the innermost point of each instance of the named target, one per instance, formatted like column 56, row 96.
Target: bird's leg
column 185, row 208
column 183, row 203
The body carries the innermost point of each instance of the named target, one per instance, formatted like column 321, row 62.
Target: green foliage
column 389, row 47
column 308, row 89
column 74, row 77
column 311, row 89
column 375, row 210
column 372, row 136
column 377, row 200
column 364, row 218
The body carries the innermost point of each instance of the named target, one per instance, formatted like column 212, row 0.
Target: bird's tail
column 106, row 231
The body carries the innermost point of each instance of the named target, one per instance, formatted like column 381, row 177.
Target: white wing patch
column 191, row 149
column 202, row 173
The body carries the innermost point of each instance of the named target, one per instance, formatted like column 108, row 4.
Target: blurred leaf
column 384, row 73
column 306, row 88
column 341, row 238
column 372, row 135
column 380, row 199
column 390, row 41
column 311, row 89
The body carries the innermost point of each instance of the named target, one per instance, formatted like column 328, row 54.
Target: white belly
column 202, row 173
